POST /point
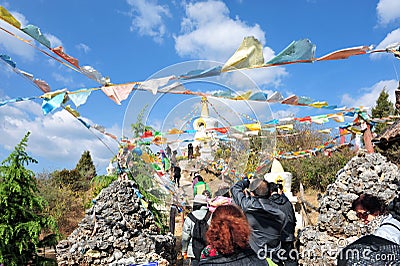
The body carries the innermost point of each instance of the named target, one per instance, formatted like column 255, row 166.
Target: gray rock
column 123, row 230
column 337, row 224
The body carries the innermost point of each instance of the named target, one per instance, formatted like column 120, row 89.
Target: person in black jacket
column 281, row 202
column 177, row 174
column 265, row 220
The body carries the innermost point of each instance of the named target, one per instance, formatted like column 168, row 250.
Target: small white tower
column 203, row 138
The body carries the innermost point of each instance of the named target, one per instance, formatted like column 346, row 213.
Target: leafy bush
column 317, row 172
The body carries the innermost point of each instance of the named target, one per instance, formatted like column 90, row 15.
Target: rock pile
column 117, row 230
column 337, row 224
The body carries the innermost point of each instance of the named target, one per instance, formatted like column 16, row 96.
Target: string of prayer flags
column 41, row 84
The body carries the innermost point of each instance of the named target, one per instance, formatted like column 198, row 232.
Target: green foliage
column 71, row 179
column 316, row 172
column 64, row 203
column 21, row 219
column 86, row 167
column 139, row 127
column 101, row 181
column 383, row 108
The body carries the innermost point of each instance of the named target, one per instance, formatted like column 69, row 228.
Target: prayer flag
column 249, row 54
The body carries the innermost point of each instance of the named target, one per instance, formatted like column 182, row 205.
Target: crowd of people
column 250, row 223
column 253, row 223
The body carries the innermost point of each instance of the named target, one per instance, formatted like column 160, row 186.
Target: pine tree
column 86, row 167
column 383, row 108
column 21, row 220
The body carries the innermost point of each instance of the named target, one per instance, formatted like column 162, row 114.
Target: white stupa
column 278, row 175
column 203, row 137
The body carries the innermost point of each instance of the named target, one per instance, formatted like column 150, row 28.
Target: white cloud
column 58, row 138
column 388, row 11
column 209, row 33
column 64, row 79
column 54, row 41
column 148, row 18
column 370, row 95
column 83, row 47
column 391, row 38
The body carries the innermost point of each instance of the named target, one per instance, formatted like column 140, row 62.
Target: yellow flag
column 253, row 127
column 6, row 16
column 285, row 127
column 249, row 54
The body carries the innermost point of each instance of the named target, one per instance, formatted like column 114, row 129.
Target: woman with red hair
column 228, row 238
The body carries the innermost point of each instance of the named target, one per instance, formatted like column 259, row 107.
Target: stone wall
column 337, row 224
column 117, row 230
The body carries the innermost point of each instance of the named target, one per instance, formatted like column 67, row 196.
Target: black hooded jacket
column 265, row 220
column 281, row 202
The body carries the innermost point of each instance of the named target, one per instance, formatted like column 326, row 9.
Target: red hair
column 229, row 230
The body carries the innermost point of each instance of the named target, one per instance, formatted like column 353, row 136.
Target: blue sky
column 132, row 40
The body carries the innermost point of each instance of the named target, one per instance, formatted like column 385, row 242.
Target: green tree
column 86, row 167
column 383, row 108
column 71, row 179
column 21, row 218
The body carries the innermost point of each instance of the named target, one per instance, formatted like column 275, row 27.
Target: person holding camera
column 265, row 220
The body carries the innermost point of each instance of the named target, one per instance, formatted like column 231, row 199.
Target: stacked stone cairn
column 337, row 224
column 117, row 230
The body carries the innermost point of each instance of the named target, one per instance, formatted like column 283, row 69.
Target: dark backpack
column 199, row 234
